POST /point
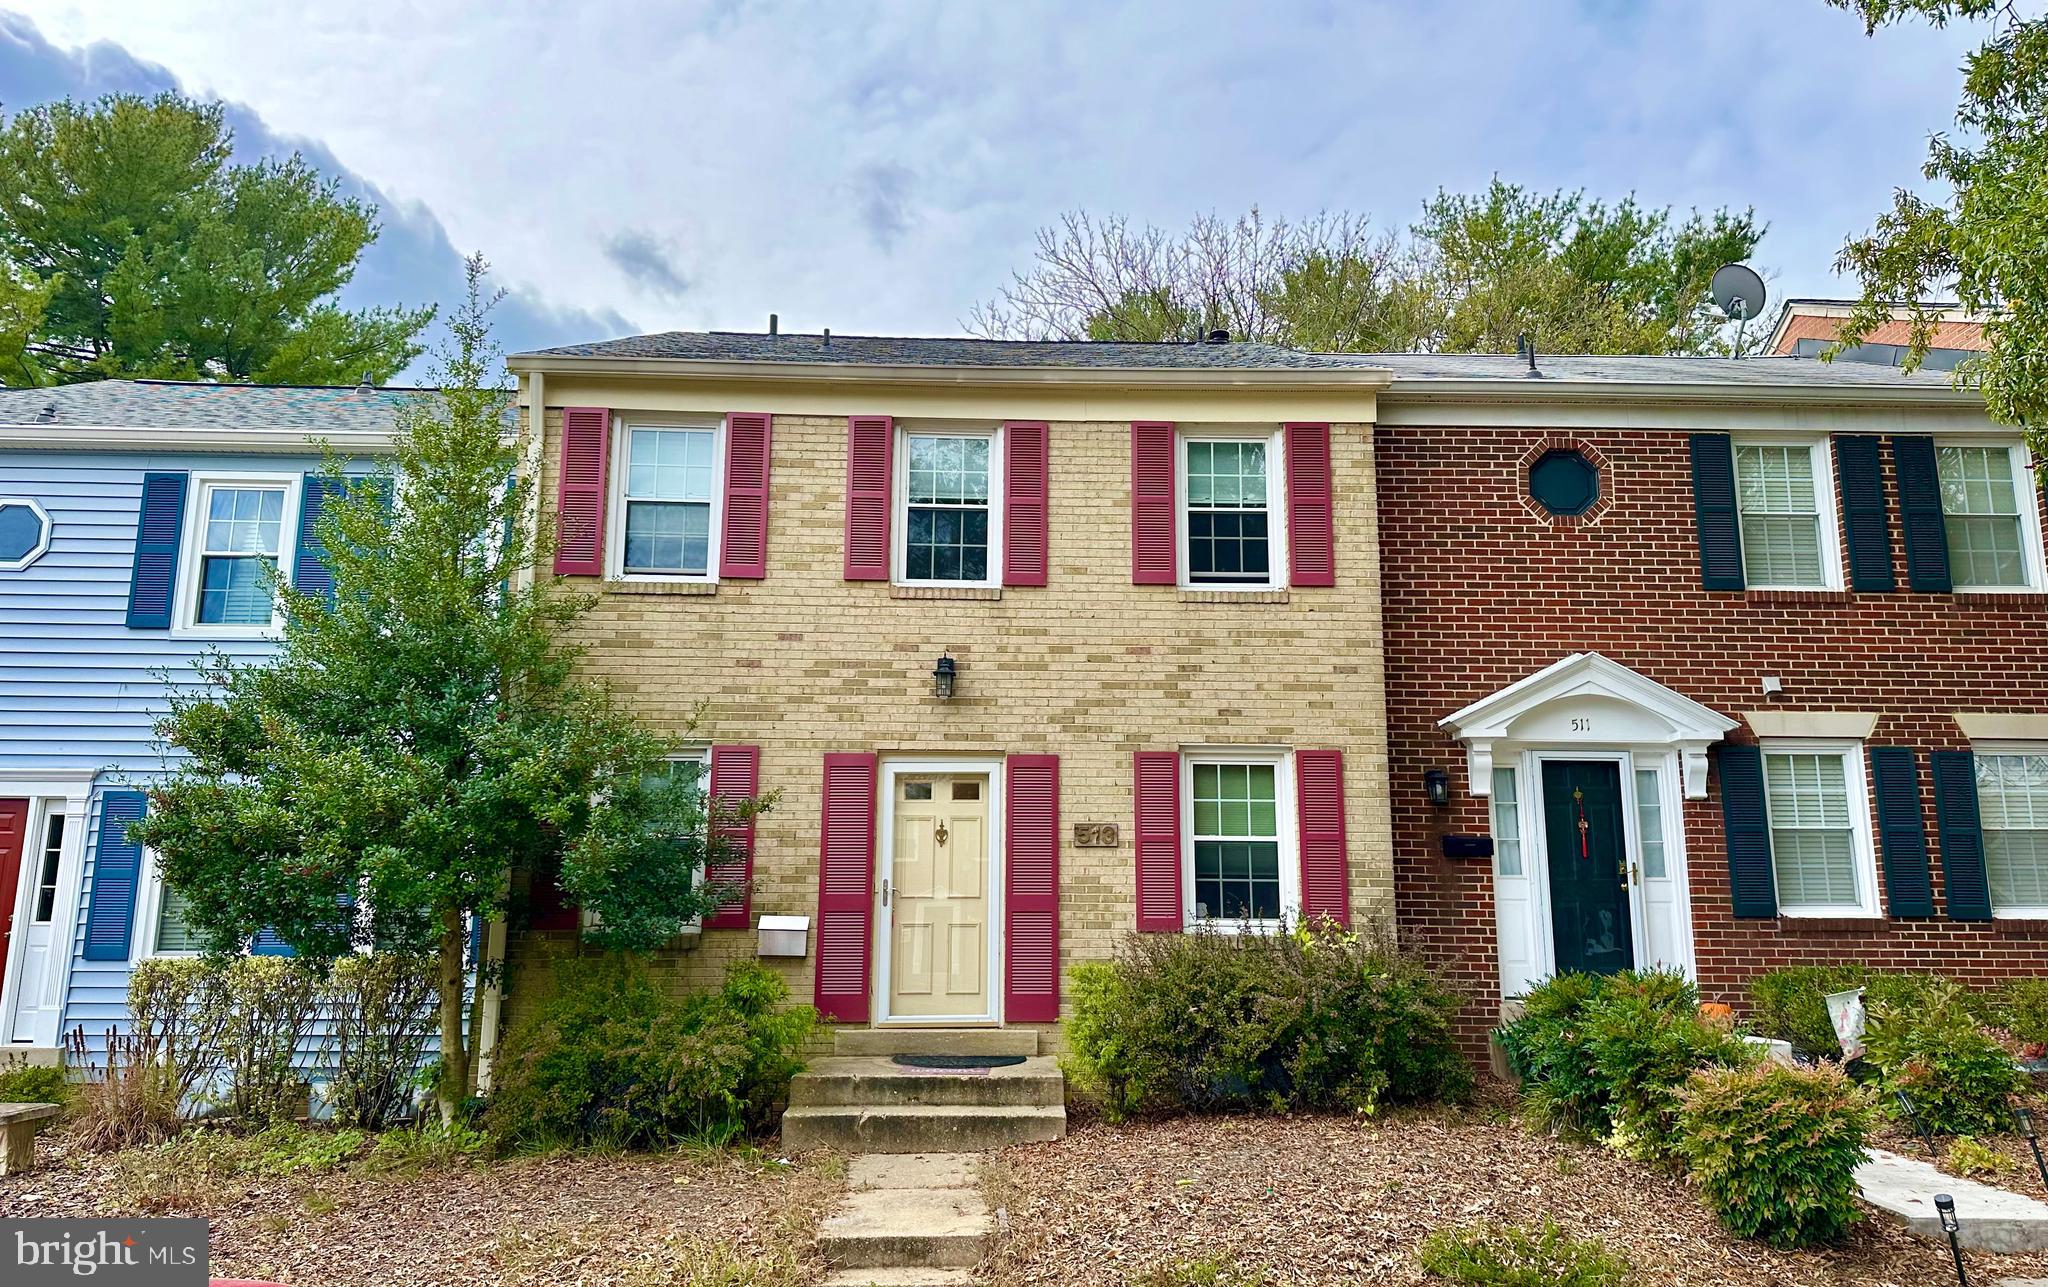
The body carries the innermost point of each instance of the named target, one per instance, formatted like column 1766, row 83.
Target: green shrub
column 613, row 1059
column 34, row 1084
column 2022, row 1006
column 1607, row 1055
column 182, row 1008
column 383, row 1009
column 1494, row 1255
column 1312, row 1019
column 1966, row 1156
column 1773, row 1149
column 1960, row 1078
column 1210, row 1271
column 1791, row 1004
column 410, row 1150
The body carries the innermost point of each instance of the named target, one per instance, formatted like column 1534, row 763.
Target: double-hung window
column 1240, row 866
column 1989, row 516
column 951, row 530
column 1820, row 830
column 669, row 494
column 2012, row 801
column 1788, row 525
column 241, row 529
column 1232, row 521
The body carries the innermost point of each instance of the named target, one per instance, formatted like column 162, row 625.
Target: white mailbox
column 785, row 936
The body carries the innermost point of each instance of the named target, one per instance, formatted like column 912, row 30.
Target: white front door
column 36, row 956
column 936, row 904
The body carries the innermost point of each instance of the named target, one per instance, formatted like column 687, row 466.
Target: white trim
column 2026, row 496
column 1862, row 843
column 185, row 622
column 1285, row 809
column 64, row 436
column 42, row 545
column 899, row 501
column 990, row 767
column 2008, row 747
column 620, row 456
column 68, row 794
column 1276, row 505
column 1827, row 503
column 1848, row 726
column 2002, row 726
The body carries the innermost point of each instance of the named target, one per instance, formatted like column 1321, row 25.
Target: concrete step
column 900, row 1278
column 875, row 1081
column 906, row 1229
column 1992, row 1219
column 935, row 1041
column 913, row 1171
column 920, row 1128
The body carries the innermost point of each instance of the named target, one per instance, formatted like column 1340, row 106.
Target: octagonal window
column 1564, row 482
column 24, row 533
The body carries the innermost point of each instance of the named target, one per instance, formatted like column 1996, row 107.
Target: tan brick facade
column 1090, row 667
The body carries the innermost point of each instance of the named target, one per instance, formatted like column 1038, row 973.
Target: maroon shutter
column 1152, row 553
column 743, row 544
column 1027, row 468
column 1311, row 543
column 846, row 887
column 1156, row 784
column 579, row 502
column 869, row 441
column 1325, row 882
column 1031, row 889
column 735, row 777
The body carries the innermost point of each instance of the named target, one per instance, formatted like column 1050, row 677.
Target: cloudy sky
column 881, row 167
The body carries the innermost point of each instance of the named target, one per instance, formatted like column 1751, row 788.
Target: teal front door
column 1588, row 854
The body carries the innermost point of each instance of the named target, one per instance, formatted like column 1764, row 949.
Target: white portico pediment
column 1587, row 700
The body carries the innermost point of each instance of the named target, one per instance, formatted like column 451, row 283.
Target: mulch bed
column 573, row 1218
column 1330, row 1200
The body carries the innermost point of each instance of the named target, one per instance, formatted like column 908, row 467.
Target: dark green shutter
column 1920, row 515
column 1746, row 823
column 1962, row 836
column 1860, row 478
column 1902, row 831
column 1713, row 509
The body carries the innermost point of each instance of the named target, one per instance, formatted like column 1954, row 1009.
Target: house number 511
column 1582, row 724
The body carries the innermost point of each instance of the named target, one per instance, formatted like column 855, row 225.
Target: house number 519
column 1582, row 724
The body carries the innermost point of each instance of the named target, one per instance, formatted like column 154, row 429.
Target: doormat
column 959, row 1063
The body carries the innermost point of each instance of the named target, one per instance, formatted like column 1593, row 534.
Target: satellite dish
column 1738, row 291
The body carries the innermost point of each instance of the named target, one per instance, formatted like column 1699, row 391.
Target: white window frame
column 899, row 500
column 191, row 558
column 1826, row 502
column 2028, row 498
column 1276, row 505
column 2018, row 913
column 1285, row 823
column 692, row 754
column 615, row 497
column 1862, row 842
column 149, row 902
column 42, row 545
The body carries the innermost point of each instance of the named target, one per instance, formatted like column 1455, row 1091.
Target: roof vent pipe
column 1526, row 347
column 364, row 385
column 48, row 415
column 772, row 324
column 1219, row 337
column 828, row 337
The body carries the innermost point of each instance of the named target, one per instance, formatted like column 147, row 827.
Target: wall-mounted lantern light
column 1437, row 785
column 943, row 675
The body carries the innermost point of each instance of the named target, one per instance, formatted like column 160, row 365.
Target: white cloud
column 880, row 168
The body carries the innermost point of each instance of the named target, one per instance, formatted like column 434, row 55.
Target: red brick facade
column 1481, row 590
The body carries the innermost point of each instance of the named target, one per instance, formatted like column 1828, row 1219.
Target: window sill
column 661, row 587
column 1797, row 925
column 1232, row 596
column 983, row 592
column 1814, row 595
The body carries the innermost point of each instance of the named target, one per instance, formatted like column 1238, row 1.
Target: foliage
column 425, row 737
column 1960, row 1078
column 133, row 1098
column 381, row 1007
column 612, row 1059
column 271, row 1005
column 1980, row 237
column 23, row 299
column 1209, row 1271
column 1315, row 1018
column 2021, row 1007
column 1473, row 275
column 1967, row 1156
column 1606, row 1055
column 182, row 1007
column 1773, row 1149
column 1506, row 1255
column 1791, row 1004
column 429, row 1146
column 34, row 1084
column 134, row 247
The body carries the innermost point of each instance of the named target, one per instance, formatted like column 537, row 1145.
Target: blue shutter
column 1746, row 824
column 267, row 943
column 1962, row 836
column 1860, row 479
column 310, row 573
column 1920, row 515
column 117, row 866
column 1714, row 514
column 1902, row 831
column 153, row 583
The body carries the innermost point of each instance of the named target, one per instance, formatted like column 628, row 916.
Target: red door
column 13, row 831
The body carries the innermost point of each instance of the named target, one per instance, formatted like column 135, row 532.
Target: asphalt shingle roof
column 1420, row 369
column 164, row 404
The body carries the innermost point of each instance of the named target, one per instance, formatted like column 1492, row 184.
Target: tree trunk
column 454, row 1087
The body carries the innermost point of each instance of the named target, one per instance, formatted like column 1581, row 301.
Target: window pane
column 945, row 534
column 1507, row 825
column 1236, row 841
column 667, row 537
column 46, row 878
column 671, row 464
column 1226, row 512
column 243, row 520
column 1650, row 823
column 1812, row 841
column 1980, row 499
column 1780, row 515
column 172, row 934
column 235, row 591
column 2012, row 796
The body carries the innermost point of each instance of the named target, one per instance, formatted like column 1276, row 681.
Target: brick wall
column 1089, row 667
column 1481, row 591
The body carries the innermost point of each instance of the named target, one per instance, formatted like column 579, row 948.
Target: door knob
column 885, row 893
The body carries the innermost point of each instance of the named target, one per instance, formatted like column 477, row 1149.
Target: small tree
column 424, row 735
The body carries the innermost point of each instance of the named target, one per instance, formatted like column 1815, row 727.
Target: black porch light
column 944, row 674
column 1436, row 784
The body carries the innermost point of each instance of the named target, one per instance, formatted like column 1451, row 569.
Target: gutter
column 62, row 436
column 1361, row 379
